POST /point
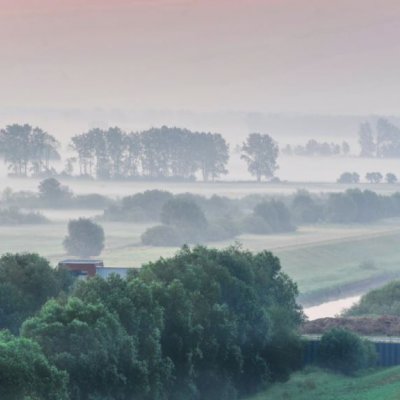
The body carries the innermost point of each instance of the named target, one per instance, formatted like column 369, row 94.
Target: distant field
column 318, row 258
column 317, row 174
column 317, row 385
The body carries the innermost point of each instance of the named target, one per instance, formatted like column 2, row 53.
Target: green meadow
column 314, row 384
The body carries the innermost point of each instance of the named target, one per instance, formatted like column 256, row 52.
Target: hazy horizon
column 312, row 57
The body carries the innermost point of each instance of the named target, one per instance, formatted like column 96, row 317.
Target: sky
column 296, row 56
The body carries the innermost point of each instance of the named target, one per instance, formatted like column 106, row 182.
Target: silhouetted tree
column 366, row 140
column 53, row 193
column 374, row 177
column 261, row 153
column 349, row 177
column 390, row 178
column 25, row 148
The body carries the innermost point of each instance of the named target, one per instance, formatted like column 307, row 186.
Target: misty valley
column 199, row 200
column 145, row 202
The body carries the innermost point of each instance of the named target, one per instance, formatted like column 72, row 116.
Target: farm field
column 313, row 384
column 319, row 258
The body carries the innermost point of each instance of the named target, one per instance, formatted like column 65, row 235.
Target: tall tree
column 27, row 281
column 25, row 372
column 90, row 344
column 85, row 238
column 213, row 155
column 366, row 140
column 388, row 139
column 53, row 193
column 83, row 146
column 25, row 148
column 261, row 153
column 116, row 145
column 43, row 150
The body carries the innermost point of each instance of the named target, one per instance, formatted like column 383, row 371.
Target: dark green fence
column 388, row 352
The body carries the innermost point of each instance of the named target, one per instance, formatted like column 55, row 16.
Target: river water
column 330, row 308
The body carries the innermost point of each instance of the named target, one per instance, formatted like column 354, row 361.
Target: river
column 330, row 308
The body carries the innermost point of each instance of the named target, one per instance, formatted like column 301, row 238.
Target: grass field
column 314, row 384
column 318, row 258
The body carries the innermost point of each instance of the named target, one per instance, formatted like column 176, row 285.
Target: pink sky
column 288, row 55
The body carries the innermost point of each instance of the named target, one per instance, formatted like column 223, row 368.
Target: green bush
column 256, row 225
column 382, row 301
column 343, row 351
column 184, row 214
column 162, row 235
column 276, row 214
column 221, row 229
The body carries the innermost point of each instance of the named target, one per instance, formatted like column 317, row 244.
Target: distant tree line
column 381, row 142
column 155, row 153
column 14, row 216
column 315, row 148
column 198, row 219
column 52, row 194
column 28, row 150
column 205, row 324
column 188, row 218
column 370, row 177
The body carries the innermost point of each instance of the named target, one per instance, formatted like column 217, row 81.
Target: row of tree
column 27, row 150
column 371, row 177
column 158, row 153
column 168, row 153
column 315, row 148
column 381, row 142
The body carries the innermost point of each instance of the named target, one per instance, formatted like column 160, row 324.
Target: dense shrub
column 53, row 194
column 162, row 235
column 148, row 204
column 14, row 216
column 221, row 229
column 90, row 201
column 256, row 224
column 382, row 301
column 276, row 215
column 183, row 213
column 305, row 209
column 343, row 351
column 355, row 205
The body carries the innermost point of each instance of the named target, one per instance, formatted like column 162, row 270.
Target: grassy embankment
column 313, row 384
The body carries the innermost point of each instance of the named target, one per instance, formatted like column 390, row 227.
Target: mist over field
column 199, row 200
